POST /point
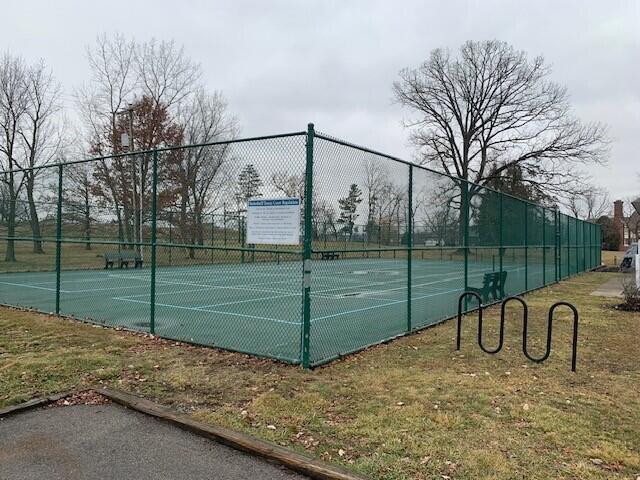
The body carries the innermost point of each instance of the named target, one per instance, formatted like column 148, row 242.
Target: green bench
column 492, row 286
column 122, row 259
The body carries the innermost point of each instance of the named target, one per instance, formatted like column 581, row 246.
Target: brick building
column 628, row 227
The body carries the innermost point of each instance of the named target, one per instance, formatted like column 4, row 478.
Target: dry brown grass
column 411, row 409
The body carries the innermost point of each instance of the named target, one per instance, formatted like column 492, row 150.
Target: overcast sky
column 282, row 64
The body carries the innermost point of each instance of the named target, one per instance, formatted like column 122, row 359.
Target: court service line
column 197, row 309
column 348, row 312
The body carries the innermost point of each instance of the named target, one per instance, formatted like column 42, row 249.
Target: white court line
column 382, row 306
column 213, row 287
column 224, row 287
column 198, row 309
column 373, row 284
column 32, row 286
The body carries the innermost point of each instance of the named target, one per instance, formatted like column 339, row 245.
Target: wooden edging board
column 273, row 453
column 35, row 403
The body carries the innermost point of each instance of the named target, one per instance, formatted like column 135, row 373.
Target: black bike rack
column 525, row 327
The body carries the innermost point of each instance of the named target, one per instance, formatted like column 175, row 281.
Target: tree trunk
column 87, row 222
column 33, row 216
column 10, row 254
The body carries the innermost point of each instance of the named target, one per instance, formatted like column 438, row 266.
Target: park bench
column 330, row 256
column 492, row 285
column 122, row 259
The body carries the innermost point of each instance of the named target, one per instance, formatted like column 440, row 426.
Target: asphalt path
column 112, row 442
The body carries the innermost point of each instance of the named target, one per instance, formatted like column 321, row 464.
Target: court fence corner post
column 465, row 236
column 409, row 247
column 154, row 234
column 500, row 232
column 58, row 237
column 526, row 246
column 306, row 253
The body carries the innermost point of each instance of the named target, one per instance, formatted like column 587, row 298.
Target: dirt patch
column 87, row 397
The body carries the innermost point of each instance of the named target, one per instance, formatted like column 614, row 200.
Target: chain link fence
column 156, row 241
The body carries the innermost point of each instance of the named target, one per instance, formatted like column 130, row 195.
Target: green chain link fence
column 386, row 246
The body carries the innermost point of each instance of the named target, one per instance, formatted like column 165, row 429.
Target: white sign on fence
column 274, row 221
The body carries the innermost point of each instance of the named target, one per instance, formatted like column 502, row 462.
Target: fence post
column 409, row 247
column 556, row 241
column 544, row 246
column 568, row 247
column 526, row 246
column 154, row 206
column 465, row 236
column 170, row 237
column 584, row 247
column 58, row 237
column 500, row 233
column 306, row 253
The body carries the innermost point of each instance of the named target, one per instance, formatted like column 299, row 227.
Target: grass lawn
column 414, row 408
column 612, row 258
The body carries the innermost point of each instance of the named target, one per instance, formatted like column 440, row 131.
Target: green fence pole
column 568, row 248
column 58, row 238
column 170, row 237
column 154, row 238
column 584, row 248
column 544, row 246
column 465, row 236
column 526, row 246
column 409, row 247
column 306, row 254
column 500, row 232
column 555, row 245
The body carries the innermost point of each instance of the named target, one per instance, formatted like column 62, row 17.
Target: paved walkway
column 111, row 442
column 611, row 288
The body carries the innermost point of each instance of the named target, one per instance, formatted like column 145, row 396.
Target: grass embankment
column 414, row 408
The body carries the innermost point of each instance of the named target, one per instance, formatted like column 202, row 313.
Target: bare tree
column 201, row 171
column 491, row 108
column 42, row 134
column 374, row 183
column 14, row 103
column 290, row 185
column 165, row 73
column 589, row 205
column 157, row 84
column 111, row 87
column 77, row 197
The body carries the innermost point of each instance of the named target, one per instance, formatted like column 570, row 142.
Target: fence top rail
column 152, row 151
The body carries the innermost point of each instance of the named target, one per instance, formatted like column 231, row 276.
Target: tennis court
column 257, row 307
column 387, row 245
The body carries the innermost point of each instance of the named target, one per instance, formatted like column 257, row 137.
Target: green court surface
column 257, row 307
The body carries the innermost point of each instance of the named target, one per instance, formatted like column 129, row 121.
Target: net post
column 306, row 253
column 58, row 237
column 154, row 206
column 409, row 247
